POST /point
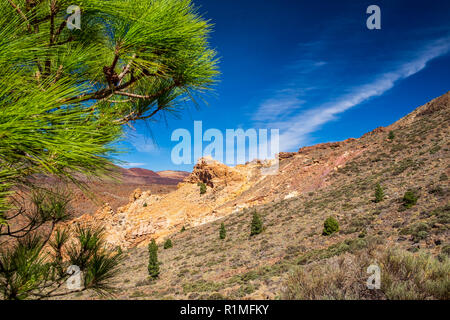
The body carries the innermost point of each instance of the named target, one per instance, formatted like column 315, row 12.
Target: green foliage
column 145, row 205
column 29, row 272
column 168, row 244
column 96, row 261
column 202, row 187
column 65, row 94
column 183, row 229
column 24, row 269
column 256, row 225
column 410, row 199
column 379, row 193
column 391, row 135
column 100, row 271
column 153, row 263
column 330, row 226
column 50, row 205
column 64, row 98
column 222, row 231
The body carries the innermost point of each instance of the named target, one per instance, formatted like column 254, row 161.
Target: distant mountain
column 143, row 172
column 145, row 176
column 173, row 174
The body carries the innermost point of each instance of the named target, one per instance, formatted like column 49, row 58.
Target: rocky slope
column 332, row 179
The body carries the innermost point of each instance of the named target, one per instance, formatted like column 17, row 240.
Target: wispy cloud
column 295, row 130
column 141, row 143
column 311, row 65
column 277, row 107
column 134, row 164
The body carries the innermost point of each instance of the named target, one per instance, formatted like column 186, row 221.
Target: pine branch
column 21, row 14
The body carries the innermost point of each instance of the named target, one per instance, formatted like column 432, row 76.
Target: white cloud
column 295, row 130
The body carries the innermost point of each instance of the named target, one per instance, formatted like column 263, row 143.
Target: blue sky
column 311, row 69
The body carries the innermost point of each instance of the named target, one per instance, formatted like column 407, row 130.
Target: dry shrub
column 415, row 276
column 404, row 275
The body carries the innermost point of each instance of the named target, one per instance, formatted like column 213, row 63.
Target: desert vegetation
column 404, row 276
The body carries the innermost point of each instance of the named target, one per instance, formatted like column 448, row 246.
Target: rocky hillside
column 409, row 160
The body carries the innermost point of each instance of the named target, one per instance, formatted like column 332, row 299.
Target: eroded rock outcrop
column 213, row 173
column 136, row 194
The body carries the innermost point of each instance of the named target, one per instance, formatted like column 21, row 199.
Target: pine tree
column 153, row 264
column 65, row 96
column 222, row 232
column 379, row 193
column 410, row 199
column 256, row 225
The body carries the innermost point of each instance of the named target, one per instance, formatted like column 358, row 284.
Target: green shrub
column 222, row 232
column 183, row 229
column 391, row 135
column 153, row 263
column 202, row 187
column 145, row 205
column 330, row 226
column 379, row 193
column 256, row 225
column 168, row 244
column 410, row 199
